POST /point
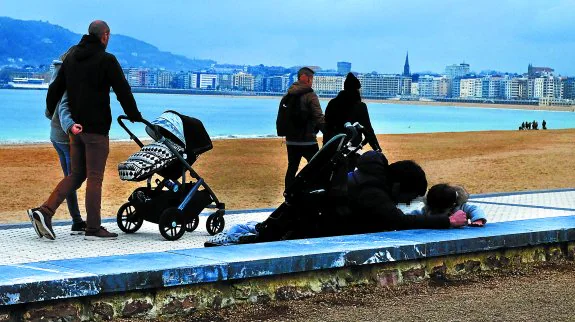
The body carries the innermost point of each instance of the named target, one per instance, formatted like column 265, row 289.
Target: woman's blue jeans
column 63, row 150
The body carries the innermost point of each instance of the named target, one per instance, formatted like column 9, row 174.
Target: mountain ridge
column 36, row 43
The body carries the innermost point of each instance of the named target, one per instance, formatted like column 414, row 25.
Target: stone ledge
column 183, row 301
column 72, row 278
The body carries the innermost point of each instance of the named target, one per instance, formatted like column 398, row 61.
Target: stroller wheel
column 171, row 224
column 215, row 223
column 128, row 220
column 192, row 224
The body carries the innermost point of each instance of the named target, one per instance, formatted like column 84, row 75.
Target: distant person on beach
column 544, row 125
column 302, row 125
column 348, row 107
column 87, row 75
column 445, row 199
column 61, row 124
column 534, row 125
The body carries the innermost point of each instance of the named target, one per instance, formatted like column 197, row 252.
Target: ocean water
column 23, row 119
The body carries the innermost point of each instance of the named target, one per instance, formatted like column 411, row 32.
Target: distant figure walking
column 299, row 119
column 544, row 125
column 535, row 125
column 87, row 75
column 348, row 107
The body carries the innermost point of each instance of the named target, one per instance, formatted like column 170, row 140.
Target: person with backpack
column 299, row 119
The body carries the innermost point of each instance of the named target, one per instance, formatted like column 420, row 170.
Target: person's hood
column 57, row 64
column 462, row 195
column 373, row 163
column 88, row 47
column 371, row 170
column 298, row 89
column 348, row 96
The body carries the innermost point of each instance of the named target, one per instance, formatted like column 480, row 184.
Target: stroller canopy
column 183, row 130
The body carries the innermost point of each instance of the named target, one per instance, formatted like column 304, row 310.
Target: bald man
column 87, row 74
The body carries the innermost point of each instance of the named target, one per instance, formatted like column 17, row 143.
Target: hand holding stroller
column 172, row 203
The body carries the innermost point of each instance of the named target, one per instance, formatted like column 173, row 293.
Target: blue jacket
column 61, row 119
column 473, row 212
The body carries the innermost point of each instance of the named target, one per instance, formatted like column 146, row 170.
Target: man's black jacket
column 87, row 74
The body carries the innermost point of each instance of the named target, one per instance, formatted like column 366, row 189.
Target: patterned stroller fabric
column 150, row 159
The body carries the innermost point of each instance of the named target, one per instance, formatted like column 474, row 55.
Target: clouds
column 372, row 34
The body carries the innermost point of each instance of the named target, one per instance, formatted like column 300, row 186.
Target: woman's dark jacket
column 348, row 107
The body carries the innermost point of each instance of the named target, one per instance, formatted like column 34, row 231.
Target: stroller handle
column 353, row 129
column 132, row 135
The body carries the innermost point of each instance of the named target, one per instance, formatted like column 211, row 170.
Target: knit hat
column 351, row 82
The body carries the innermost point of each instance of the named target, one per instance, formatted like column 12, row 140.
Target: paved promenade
column 21, row 245
column 27, row 259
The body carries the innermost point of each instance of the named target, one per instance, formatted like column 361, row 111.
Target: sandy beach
column 248, row 173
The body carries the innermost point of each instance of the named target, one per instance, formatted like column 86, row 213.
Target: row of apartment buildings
column 456, row 82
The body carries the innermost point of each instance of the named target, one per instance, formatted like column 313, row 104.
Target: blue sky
column 373, row 35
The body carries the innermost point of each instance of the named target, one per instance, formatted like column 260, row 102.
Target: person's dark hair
column 305, row 71
column 98, row 28
column 409, row 175
column 441, row 196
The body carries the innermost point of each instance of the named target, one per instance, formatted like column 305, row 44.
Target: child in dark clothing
column 444, row 199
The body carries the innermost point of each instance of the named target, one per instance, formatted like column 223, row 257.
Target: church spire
column 406, row 66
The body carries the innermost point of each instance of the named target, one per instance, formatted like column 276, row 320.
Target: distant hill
column 38, row 43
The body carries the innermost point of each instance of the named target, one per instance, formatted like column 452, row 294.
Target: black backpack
column 292, row 115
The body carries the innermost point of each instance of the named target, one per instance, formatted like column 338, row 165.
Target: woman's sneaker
column 78, row 228
column 42, row 223
column 30, row 213
column 100, row 234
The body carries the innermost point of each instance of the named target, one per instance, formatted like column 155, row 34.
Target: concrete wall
column 184, row 300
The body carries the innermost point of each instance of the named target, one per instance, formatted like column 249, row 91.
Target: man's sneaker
column 30, row 212
column 100, row 234
column 78, row 228
column 43, row 224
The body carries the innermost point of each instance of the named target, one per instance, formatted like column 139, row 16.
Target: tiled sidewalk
column 37, row 270
column 21, row 245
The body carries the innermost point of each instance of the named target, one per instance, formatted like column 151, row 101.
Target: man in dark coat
column 348, row 107
column 375, row 189
column 87, row 75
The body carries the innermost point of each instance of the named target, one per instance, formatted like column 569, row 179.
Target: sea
column 22, row 116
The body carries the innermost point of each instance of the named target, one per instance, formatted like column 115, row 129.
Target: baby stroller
column 316, row 202
column 173, row 202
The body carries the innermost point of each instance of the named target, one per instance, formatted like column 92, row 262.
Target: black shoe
column 43, row 223
column 78, row 228
column 100, row 234
column 30, row 213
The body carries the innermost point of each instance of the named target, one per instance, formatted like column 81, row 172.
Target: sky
column 374, row 35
